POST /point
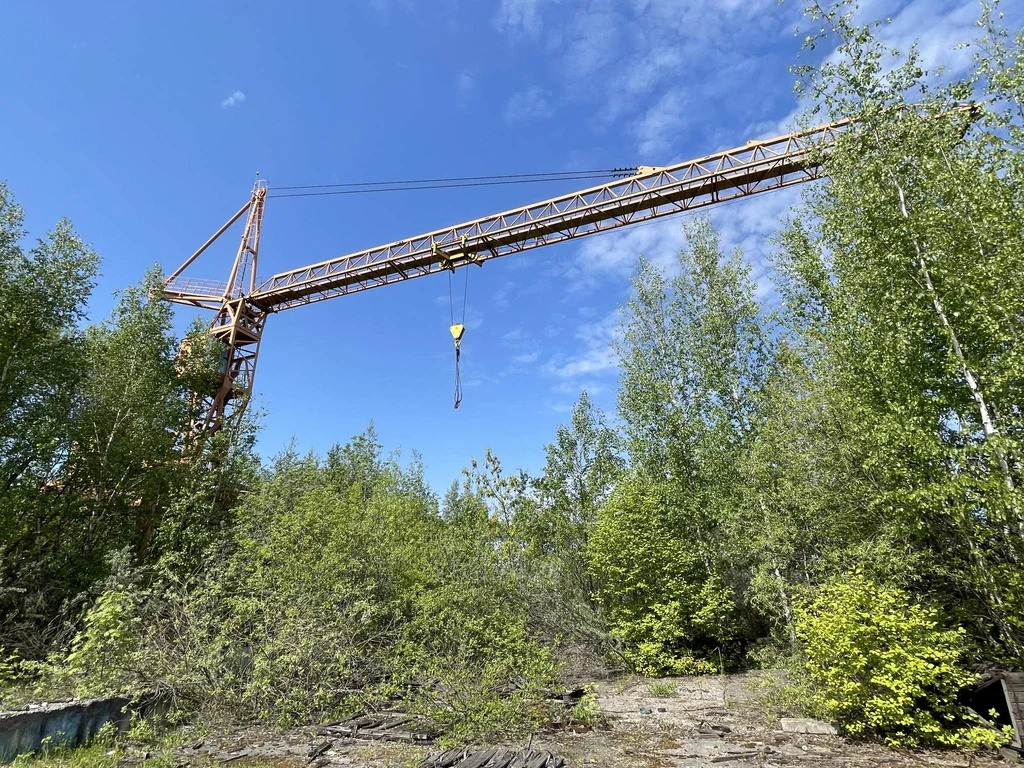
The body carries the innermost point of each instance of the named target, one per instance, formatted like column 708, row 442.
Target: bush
column 341, row 587
column 878, row 663
column 470, row 664
column 665, row 605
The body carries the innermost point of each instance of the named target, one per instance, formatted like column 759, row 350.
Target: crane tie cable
column 491, row 177
column 455, row 182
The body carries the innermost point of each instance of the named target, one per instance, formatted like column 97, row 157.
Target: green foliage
column 43, row 292
column 880, row 663
column 482, row 671
column 872, row 425
column 905, row 271
column 90, row 423
column 660, row 600
column 340, row 587
column 662, row 689
column 586, row 709
column 582, row 466
column 102, row 652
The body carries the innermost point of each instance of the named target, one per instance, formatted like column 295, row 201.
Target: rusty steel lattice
column 758, row 166
column 242, row 304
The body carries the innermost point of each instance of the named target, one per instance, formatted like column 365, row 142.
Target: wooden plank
column 538, row 760
column 445, row 759
column 477, row 759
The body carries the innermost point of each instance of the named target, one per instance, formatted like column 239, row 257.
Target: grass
column 624, row 682
column 109, row 756
column 662, row 689
column 145, row 743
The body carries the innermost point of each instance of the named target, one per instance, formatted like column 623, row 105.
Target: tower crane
column 242, row 305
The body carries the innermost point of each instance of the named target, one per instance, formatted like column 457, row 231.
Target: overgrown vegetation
column 833, row 480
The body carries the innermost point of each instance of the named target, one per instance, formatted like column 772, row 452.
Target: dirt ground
column 696, row 722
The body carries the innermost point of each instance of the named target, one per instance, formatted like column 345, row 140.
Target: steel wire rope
column 445, row 185
column 486, row 177
column 461, row 326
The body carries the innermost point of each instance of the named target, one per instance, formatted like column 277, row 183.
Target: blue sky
column 145, row 123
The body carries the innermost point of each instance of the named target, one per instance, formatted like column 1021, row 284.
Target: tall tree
column 43, row 292
column 694, row 359
column 921, row 231
column 581, row 468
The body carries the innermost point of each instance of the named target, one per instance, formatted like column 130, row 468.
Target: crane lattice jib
column 758, row 166
column 242, row 304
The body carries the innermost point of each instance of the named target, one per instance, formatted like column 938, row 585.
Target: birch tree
column 920, row 225
column 694, row 355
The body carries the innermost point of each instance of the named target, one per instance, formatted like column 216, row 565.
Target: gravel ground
column 696, row 722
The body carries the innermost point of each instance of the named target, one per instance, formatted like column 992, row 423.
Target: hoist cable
column 451, row 300
column 454, row 185
column 465, row 296
column 458, row 329
column 492, row 177
column 458, row 379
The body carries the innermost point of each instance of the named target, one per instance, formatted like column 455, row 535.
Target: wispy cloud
column 613, row 255
column 660, row 128
column 655, row 60
column 595, row 355
column 574, row 388
column 237, row 97
column 465, row 87
column 531, row 104
column 520, row 16
column 515, row 335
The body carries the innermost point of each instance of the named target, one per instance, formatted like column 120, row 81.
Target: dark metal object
column 495, row 757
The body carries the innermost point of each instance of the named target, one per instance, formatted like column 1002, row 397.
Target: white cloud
column 591, row 361
column 520, row 16
column 531, row 104
column 661, row 126
column 526, row 359
column 516, row 334
column 745, row 223
column 643, row 64
column 558, row 407
column 749, row 224
column 236, row 97
column 596, row 355
column 614, row 254
column 593, row 39
column 465, row 86
column 574, row 388
column 502, row 297
column 383, row 7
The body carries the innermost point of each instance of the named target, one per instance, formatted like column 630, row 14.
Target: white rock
column 807, row 725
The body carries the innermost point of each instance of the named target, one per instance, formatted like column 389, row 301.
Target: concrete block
column 807, row 725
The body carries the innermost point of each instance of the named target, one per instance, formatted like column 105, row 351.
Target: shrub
column 663, row 602
column 470, row 663
column 879, row 663
column 341, row 587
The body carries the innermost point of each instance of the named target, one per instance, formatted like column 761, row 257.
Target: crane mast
column 243, row 304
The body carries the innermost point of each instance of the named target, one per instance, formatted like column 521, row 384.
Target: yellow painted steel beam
column 758, row 166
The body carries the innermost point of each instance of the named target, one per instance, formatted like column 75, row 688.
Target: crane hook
column 458, row 330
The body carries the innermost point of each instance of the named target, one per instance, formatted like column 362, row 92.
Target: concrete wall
column 68, row 724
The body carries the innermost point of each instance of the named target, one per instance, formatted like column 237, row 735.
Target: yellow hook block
column 457, row 331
